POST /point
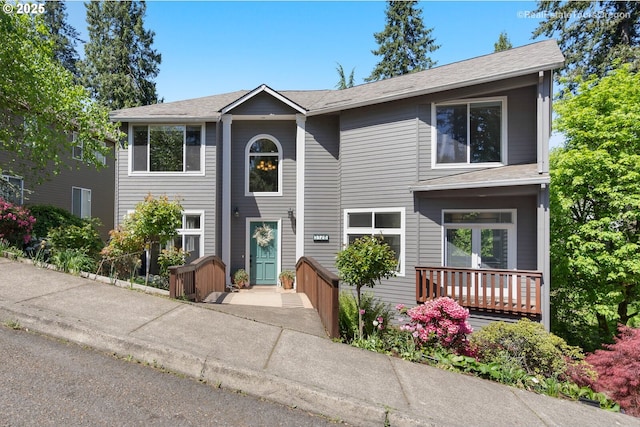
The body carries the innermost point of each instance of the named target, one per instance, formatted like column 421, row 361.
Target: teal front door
column 263, row 256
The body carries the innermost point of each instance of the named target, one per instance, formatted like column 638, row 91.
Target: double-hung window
column 471, row 132
column 387, row 223
column 166, row 148
column 81, row 202
column 78, row 151
column 12, row 189
column 191, row 236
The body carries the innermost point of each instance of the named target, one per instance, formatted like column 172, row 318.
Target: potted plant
column 286, row 279
column 241, row 278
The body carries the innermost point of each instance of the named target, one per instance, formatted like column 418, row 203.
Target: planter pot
column 287, row 283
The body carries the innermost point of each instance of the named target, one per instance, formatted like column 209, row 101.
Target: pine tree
column 63, row 35
column 404, row 43
column 593, row 36
column 120, row 63
column 344, row 83
column 503, row 43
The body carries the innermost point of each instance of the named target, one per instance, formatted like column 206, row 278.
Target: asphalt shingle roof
column 514, row 62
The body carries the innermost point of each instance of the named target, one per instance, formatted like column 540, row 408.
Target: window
column 471, row 132
column 263, row 171
column 480, row 239
column 12, row 189
column 166, row 148
column 191, row 236
column 386, row 222
column 81, row 202
column 78, row 150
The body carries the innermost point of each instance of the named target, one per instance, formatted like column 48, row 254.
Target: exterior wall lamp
column 290, row 213
column 236, row 212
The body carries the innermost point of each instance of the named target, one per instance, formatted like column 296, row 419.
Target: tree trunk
column 360, row 325
column 603, row 327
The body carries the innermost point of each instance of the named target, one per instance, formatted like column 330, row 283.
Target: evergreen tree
column 503, row 43
column 344, row 83
column 592, row 35
column 63, row 35
column 120, row 64
column 404, row 43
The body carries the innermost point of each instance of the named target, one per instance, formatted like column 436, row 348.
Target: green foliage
column 170, row 257
column 404, row 43
column 503, row 43
column 525, row 345
column 120, row 64
column 592, row 35
column 241, row 278
column 344, row 82
column 73, row 261
column 374, row 310
column 595, row 209
column 41, row 104
column 155, row 220
column 49, row 217
column 63, row 35
column 84, row 238
column 364, row 263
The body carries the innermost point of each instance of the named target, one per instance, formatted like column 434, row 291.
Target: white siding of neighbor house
column 322, row 189
column 195, row 192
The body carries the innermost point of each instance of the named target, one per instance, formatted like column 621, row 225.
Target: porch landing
column 262, row 296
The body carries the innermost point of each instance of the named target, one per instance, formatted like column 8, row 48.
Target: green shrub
column 84, row 238
column 170, row 257
column 375, row 315
column 526, row 345
column 50, row 217
column 73, row 261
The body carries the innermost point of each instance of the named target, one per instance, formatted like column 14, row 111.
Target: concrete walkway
column 268, row 352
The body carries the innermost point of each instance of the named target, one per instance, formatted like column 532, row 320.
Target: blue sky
column 211, row 47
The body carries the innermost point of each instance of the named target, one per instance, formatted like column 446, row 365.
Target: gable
column 263, row 104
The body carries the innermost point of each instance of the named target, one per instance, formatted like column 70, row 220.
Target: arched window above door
column 263, row 170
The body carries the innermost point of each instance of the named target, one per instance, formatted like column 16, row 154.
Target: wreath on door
column 263, row 235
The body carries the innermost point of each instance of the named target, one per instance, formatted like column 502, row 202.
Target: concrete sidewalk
column 267, row 352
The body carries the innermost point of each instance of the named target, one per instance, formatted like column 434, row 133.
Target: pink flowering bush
column 441, row 321
column 16, row 223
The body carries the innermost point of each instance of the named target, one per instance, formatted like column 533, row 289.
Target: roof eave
column 541, row 180
column 165, row 119
column 404, row 95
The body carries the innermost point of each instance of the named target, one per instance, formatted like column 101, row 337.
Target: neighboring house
column 81, row 189
column 450, row 165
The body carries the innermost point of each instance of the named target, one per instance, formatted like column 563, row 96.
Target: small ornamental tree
column 16, row 223
column 365, row 262
column 618, row 370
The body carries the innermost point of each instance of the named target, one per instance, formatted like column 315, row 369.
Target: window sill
column 467, row 165
column 171, row 174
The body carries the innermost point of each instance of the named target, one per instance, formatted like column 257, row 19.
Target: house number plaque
column 320, row 237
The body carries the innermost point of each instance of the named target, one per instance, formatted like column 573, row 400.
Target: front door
column 263, row 256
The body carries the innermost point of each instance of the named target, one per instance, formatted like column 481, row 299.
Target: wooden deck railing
column 505, row 291
column 198, row 279
column 321, row 287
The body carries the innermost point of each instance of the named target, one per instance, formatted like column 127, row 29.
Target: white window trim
column 193, row 231
column 82, row 192
column 248, row 237
column 80, row 144
column 504, row 136
column 246, row 166
column 511, row 227
column 203, row 139
column 376, row 231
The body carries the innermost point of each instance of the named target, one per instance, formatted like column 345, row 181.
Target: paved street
column 48, row 382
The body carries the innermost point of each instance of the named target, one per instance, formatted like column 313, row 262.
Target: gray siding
column 521, row 124
column 57, row 189
column 377, row 165
column 263, row 103
column 322, row 189
column 268, row 207
column 195, row 192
